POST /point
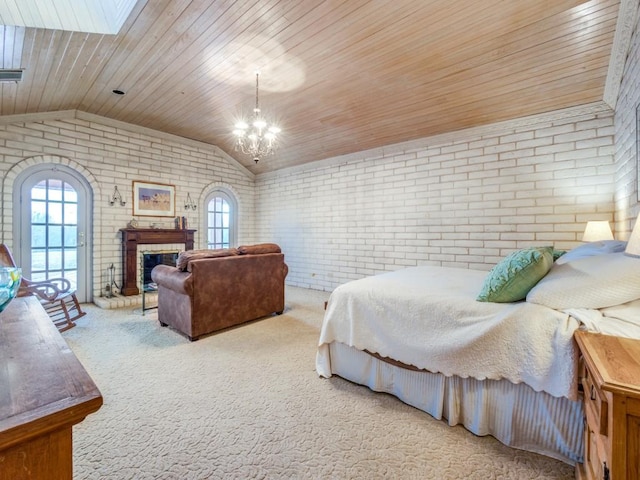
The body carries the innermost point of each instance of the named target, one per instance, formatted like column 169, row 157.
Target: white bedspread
column 428, row 317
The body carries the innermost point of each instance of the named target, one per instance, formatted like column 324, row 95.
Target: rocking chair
column 55, row 294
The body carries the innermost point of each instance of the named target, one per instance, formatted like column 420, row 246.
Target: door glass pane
column 70, row 214
column 54, row 231
column 38, row 236
column 70, row 259
column 55, row 213
column 55, row 190
column 38, row 276
column 38, row 261
column 55, row 260
column 70, row 235
column 38, row 212
column 39, row 191
column 72, row 276
column 55, row 236
column 70, row 195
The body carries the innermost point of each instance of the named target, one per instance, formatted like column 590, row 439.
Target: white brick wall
column 626, row 176
column 108, row 153
column 461, row 203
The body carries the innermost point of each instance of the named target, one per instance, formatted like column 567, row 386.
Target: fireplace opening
column 148, row 261
column 152, row 259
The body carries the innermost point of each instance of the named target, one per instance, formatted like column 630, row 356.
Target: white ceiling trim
column 92, row 16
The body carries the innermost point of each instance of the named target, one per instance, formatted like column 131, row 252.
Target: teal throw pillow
column 516, row 274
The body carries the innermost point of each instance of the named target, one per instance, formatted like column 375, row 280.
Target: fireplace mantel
column 132, row 237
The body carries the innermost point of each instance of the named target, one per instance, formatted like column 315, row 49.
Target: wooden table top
column 43, row 386
column 615, row 361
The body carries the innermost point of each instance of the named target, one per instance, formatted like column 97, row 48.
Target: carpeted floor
column 247, row 403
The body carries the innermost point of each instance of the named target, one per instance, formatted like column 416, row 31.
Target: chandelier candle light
column 258, row 139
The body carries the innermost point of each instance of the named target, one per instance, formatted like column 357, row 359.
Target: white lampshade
column 597, row 231
column 633, row 245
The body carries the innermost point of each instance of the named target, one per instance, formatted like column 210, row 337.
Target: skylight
column 91, row 16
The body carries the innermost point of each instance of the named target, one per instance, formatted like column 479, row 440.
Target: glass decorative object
column 9, row 284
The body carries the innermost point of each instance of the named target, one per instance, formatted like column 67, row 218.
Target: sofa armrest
column 173, row 279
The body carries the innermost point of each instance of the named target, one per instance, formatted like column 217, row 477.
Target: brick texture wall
column 108, row 153
column 626, row 155
column 462, row 202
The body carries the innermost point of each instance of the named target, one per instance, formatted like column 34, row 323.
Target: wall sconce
column 190, row 204
column 116, row 197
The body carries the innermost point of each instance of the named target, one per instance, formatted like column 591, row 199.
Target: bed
column 506, row 369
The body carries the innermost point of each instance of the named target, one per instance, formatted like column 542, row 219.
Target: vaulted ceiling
column 338, row 76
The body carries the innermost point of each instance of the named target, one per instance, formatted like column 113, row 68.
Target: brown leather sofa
column 209, row 290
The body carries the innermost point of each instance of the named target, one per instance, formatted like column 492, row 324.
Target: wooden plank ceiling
column 338, row 76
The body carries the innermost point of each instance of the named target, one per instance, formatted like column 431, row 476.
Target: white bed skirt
column 515, row 414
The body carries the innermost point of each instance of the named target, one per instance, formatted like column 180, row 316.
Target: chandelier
column 258, row 139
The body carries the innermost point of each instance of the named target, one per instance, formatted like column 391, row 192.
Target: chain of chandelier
column 258, row 139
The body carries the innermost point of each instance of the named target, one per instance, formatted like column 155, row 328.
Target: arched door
column 53, row 225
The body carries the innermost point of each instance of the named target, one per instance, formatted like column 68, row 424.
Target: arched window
column 221, row 219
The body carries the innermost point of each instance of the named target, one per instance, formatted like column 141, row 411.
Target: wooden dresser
column 44, row 391
column 610, row 378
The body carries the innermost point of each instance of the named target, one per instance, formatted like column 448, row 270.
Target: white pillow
column 592, row 248
column 597, row 281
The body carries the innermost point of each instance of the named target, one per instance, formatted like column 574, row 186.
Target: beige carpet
column 246, row 403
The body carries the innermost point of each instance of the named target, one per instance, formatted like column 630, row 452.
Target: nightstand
column 610, row 378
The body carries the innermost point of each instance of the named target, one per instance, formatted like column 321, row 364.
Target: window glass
column 221, row 220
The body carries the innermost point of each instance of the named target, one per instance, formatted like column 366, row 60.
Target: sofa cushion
column 259, row 249
column 185, row 257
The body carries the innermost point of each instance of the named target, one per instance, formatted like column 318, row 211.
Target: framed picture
column 154, row 199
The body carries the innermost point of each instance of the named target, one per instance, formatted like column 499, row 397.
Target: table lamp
column 633, row 245
column 597, row 231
